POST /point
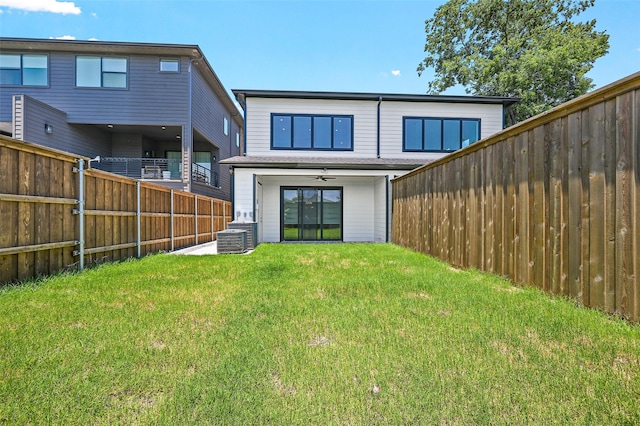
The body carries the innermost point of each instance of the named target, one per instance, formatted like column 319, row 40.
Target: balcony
column 156, row 169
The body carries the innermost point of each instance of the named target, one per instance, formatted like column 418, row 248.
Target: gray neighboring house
column 150, row 111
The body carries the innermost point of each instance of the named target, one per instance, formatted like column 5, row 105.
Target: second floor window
column 439, row 134
column 23, row 70
column 95, row 71
column 317, row 132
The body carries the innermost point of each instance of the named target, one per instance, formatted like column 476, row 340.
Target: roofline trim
column 242, row 94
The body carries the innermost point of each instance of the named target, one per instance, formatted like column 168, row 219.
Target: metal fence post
column 138, row 245
column 81, row 212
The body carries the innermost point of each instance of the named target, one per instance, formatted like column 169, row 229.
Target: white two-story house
column 317, row 165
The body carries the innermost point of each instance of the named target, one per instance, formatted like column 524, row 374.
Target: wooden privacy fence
column 552, row 202
column 55, row 214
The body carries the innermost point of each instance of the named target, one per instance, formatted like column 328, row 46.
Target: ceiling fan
column 322, row 178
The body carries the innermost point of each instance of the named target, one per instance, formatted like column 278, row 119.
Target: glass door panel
column 291, row 223
column 310, row 215
column 331, row 214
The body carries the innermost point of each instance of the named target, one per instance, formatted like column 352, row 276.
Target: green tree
column 532, row 49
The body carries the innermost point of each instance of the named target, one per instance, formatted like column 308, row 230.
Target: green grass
column 302, row 334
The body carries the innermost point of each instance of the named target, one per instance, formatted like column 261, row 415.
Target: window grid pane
column 342, row 133
column 413, row 134
column 9, row 61
column 302, row 132
column 322, row 132
column 88, row 71
column 281, row 131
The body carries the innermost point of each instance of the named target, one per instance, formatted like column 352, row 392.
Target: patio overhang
column 324, row 163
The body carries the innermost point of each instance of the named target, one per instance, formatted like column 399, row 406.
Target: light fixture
column 110, row 126
column 164, row 127
column 178, row 137
column 48, row 128
column 214, row 158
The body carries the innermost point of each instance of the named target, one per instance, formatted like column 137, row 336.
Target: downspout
column 233, row 193
column 378, row 136
column 187, row 167
column 387, row 209
column 243, row 104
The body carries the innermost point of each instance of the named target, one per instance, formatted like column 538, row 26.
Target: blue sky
column 356, row 46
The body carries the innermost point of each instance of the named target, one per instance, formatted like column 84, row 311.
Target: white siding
column 391, row 122
column 258, row 124
column 380, row 209
column 365, row 124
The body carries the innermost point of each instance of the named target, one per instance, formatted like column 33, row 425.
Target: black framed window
column 24, row 69
column 96, row 71
column 427, row 134
column 312, row 132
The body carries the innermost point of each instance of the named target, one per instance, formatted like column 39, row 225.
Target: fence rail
column 46, row 195
column 553, row 202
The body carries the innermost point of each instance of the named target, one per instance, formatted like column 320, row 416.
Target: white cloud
column 53, row 6
column 93, row 39
column 64, row 37
column 395, row 73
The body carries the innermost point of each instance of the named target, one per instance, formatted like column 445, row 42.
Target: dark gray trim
column 378, row 128
column 255, row 181
column 241, row 95
column 386, row 208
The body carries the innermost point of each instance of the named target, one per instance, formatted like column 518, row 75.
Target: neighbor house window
column 317, row 132
column 238, row 139
column 23, row 70
column 225, row 126
column 96, row 71
column 169, row 65
column 439, row 134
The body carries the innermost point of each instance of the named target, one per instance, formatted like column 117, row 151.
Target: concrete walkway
column 202, row 249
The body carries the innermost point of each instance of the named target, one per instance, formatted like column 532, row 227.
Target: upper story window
column 23, row 70
column 238, row 139
column 169, row 65
column 96, row 71
column 439, row 134
column 225, row 126
column 319, row 132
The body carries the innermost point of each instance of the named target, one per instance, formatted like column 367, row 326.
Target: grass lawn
column 308, row 334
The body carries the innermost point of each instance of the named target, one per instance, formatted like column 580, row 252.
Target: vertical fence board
column 586, row 207
column 488, row 236
column 574, row 204
column 624, row 210
column 610, row 143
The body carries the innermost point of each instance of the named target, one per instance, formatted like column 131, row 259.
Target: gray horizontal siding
column 65, row 137
column 151, row 98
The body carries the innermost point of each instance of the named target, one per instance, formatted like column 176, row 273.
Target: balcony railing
column 201, row 174
column 155, row 169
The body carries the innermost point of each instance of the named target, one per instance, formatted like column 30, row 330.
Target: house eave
column 323, row 163
column 242, row 95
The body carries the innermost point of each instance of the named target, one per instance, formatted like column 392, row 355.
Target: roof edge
column 242, row 94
